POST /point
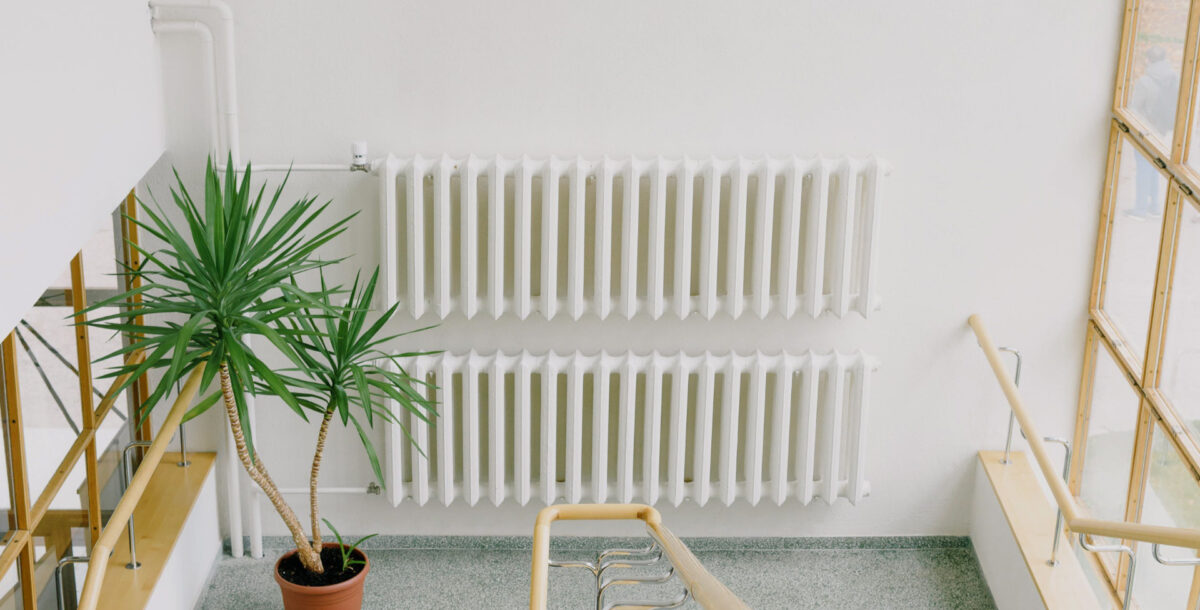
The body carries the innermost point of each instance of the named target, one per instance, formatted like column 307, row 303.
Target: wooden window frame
column 1183, row 188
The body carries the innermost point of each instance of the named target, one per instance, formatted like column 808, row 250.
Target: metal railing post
column 126, row 474
column 1012, row 417
column 58, row 584
column 1127, row 603
column 1058, row 519
column 1012, row 420
column 183, row 461
column 1167, row 561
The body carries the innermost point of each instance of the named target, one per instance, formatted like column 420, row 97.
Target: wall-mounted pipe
column 213, row 21
column 219, row 18
column 201, row 30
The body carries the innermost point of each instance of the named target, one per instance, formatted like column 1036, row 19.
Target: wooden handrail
column 701, row 585
column 98, row 563
column 81, row 442
column 1076, row 517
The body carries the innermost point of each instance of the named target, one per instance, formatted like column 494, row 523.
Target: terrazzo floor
column 935, row 572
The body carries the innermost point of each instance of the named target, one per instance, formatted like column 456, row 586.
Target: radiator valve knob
column 358, row 157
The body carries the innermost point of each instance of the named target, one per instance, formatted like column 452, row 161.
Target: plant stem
column 312, row 481
column 258, row 473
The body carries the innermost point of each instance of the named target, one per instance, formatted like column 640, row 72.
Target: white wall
column 994, row 115
column 81, row 120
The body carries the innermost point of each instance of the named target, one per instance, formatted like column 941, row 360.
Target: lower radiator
column 629, row 427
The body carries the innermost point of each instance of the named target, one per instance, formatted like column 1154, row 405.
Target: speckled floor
column 926, row 572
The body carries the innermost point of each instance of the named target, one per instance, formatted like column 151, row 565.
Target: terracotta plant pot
column 345, row 595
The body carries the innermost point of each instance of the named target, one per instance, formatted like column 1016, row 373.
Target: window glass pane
column 10, row 588
column 1180, row 374
column 1173, row 499
column 1156, row 64
column 1108, row 455
column 1140, row 193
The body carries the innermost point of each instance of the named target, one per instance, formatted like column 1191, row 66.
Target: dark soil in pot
column 294, row 572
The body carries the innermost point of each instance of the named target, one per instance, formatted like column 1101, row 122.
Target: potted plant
column 229, row 273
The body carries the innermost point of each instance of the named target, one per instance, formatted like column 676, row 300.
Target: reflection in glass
column 1133, row 250
column 1180, row 374
column 1108, row 455
column 1157, row 63
column 1173, row 499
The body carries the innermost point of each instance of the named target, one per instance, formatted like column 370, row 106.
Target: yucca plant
column 343, row 372
column 229, row 273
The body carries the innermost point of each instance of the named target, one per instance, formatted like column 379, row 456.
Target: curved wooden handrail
column 703, row 587
column 1076, row 517
column 98, row 563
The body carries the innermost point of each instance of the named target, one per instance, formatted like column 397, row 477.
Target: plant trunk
column 310, row 558
column 312, row 480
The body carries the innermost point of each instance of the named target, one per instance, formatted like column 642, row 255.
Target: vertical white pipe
column 256, row 530
column 233, row 496
column 219, row 18
column 210, row 74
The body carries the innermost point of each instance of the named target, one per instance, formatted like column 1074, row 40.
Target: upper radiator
column 603, row 427
column 570, row 237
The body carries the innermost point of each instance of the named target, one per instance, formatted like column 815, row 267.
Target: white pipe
column 206, row 41
column 305, row 167
column 256, row 528
column 222, row 31
column 364, row 490
column 198, row 16
column 233, row 500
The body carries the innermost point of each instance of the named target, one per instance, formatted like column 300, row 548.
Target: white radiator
column 628, row 427
column 569, row 237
